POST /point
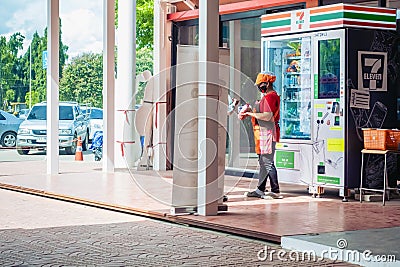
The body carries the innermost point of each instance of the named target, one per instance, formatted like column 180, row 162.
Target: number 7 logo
column 376, row 64
column 372, row 71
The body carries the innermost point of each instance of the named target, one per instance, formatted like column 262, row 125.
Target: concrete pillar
column 162, row 59
column 53, row 32
column 127, row 145
column 234, row 85
column 208, row 108
column 108, row 85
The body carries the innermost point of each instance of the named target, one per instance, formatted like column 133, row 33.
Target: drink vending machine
column 336, row 74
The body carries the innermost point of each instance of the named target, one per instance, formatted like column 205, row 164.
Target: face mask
column 263, row 88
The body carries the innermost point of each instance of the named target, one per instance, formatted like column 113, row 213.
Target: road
column 7, row 154
column 38, row 231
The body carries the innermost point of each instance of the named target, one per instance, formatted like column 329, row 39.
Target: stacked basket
column 381, row 139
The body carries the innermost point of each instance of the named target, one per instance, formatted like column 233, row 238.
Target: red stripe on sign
column 268, row 31
column 327, row 24
column 371, row 9
column 370, row 24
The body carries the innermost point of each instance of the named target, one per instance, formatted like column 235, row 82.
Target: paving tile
column 296, row 214
column 170, row 245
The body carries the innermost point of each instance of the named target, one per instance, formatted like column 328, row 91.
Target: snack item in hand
column 242, row 110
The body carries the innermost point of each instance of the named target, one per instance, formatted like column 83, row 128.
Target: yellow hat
column 265, row 77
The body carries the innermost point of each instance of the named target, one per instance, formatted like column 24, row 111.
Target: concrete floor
column 372, row 247
column 149, row 193
column 38, row 231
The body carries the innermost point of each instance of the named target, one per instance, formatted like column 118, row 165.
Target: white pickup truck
column 32, row 133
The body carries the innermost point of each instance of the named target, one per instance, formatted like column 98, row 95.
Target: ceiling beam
column 190, row 4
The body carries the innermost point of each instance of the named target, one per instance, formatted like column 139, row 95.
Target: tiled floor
column 149, row 193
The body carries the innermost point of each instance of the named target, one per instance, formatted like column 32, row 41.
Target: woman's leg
column 262, row 175
column 273, row 174
column 273, row 179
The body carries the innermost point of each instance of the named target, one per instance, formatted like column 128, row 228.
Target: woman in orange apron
column 265, row 119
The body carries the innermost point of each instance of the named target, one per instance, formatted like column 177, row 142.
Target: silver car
column 23, row 113
column 32, row 133
column 95, row 120
column 8, row 129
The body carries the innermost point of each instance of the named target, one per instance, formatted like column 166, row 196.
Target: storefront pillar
column 108, row 84
column 208, row 108
column 162, row 59
column 234, row 85
column 127, row 142
column 53, row 26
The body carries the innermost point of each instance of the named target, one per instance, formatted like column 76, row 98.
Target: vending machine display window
column 290, row 59
column 328, row 68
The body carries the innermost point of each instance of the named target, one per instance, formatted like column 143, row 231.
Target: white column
column 127, row 146
column 108, row 84
column 208, row 108
column 162, row 50
column 234, row 84
column 53, row 27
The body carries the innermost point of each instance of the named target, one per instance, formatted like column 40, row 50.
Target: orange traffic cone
column 78, row 153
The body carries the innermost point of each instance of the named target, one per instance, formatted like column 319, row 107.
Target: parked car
column 95, row 120
column 72, row 124
column 8, row 129
column 23, row 113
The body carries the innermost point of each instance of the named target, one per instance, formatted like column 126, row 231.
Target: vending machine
column 336, row 74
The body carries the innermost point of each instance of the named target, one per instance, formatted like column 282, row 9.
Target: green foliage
column 144, row 22
column 83, row 80
column 38, row 82
column 83, row 77
column 144, row 26
column 14, row 68
column 35, row 98
column 10, row 66
column 10, row 95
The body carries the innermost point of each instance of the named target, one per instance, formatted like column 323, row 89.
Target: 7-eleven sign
column 300, row 20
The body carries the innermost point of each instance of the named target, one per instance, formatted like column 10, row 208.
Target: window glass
column 247, row 34
column 40, row 113
column 328, row 68
column 37, row 113
column 96, row 114
column 66, row 113
column 189, row 35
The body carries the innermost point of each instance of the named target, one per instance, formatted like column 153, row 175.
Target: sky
column 81, row 22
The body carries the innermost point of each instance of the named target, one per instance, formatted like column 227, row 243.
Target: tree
column 144, row 22
column 10, row 95
column 10, row 66
column 14, row 69
column 35, row 97
column 39, row 75
column 83, row 80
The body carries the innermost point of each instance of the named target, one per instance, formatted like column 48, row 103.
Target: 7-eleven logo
column 299, row 19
